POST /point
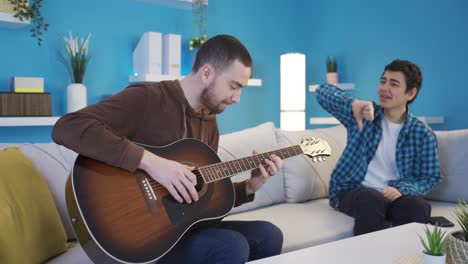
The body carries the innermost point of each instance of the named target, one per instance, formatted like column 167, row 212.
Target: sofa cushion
column 240, row 144
column 31, row 230
column 75, row 255
column 453, row 157
column 54, row 162
column 303, row 224
column 303, row 179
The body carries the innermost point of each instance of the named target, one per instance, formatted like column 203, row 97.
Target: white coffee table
column 394, row 245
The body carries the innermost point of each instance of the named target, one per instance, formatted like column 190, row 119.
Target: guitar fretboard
column 222, row 170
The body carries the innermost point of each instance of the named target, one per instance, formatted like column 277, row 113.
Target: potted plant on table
column 457, row 241
column 434, row 246
column 332, row 70
column 76, row 61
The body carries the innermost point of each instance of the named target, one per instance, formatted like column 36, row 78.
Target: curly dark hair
column 412, row 73
column 221, row 51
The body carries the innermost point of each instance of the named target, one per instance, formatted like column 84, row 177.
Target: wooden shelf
column 28, row 121
column 183, row 4
column 157, row 78
column 7, row 20
column 343, row 86
column 436, row 120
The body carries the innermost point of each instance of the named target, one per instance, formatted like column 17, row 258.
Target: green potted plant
column 76, row 62
column 199, row 21
column 433, row 246
column 332, row 70
column 31, row 10
column 457, row 241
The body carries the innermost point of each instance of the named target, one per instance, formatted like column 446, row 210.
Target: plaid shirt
column 417, row 157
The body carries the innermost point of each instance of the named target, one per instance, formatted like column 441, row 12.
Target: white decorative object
column 429, row 259
column 76, row 97
column 172, row 54
column 147, row 56
column 293, row 91
column 332, row 77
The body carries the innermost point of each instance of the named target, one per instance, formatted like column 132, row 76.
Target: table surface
column 394, row 245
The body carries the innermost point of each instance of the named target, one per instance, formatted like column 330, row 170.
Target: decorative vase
column 429, row 259
column 456, row 248
column 76, row 97
column 332, row 77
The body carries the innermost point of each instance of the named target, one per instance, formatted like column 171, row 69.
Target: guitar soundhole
column 200, row 182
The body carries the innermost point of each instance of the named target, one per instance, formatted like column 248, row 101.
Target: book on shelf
column 27, row 84
column 25, row 104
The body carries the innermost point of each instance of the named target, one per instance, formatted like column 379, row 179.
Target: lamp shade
column 293, row 82
column 293, row 91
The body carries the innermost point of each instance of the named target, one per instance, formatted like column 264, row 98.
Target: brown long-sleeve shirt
column 154, row 114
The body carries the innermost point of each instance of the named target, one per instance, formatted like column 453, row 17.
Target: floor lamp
column 293, row 91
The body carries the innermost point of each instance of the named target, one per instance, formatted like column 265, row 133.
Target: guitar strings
column 157, row 186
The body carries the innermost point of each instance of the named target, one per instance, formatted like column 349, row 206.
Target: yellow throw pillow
column 30, row 227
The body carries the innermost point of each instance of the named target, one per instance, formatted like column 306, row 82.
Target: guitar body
column 117, row 219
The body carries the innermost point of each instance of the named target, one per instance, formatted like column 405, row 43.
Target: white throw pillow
column 453, row 157
column 240, row 144
column 305, row 180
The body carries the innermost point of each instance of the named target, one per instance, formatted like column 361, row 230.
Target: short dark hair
column 221, row 51
column 412, row 73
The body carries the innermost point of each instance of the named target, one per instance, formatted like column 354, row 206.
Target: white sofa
column 295, row 199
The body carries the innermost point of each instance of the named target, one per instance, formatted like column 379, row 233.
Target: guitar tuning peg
column 314, row 159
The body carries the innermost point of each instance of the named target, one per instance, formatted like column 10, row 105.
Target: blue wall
column 364, row 36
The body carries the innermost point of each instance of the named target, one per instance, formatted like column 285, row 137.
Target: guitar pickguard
column 183, row 212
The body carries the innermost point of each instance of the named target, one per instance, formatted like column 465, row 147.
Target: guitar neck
column 222, row 170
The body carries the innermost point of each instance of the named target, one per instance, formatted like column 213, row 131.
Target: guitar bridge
column 147, row 191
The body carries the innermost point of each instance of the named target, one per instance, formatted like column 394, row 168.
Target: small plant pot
column 332, row 77
column 429, row 259
column 456, row 248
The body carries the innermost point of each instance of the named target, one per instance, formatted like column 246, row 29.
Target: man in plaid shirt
column 391, row 158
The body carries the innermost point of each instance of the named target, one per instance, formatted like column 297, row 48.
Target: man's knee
column 368, row 198
column 411, row 209
column 268, row 241
column 236, row 248
column 273, row 237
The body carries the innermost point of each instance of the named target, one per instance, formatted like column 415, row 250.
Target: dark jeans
column 371, row 210
column 229, row 242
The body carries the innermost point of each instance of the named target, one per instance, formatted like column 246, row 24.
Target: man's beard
column 207, row 99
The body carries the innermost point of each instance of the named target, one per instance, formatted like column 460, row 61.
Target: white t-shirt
column 382, row 167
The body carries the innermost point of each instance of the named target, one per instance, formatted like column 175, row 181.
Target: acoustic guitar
column 123, row 217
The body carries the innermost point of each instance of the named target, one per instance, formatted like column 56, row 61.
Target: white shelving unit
column 435, row 120
column 7, row 20
column 343, row 86
column 183, row 4
column 28, row 121
column 158, row 78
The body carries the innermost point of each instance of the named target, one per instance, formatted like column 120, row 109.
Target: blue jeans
column 228, row 242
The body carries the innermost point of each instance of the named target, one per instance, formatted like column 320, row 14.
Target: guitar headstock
column 316, row 148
